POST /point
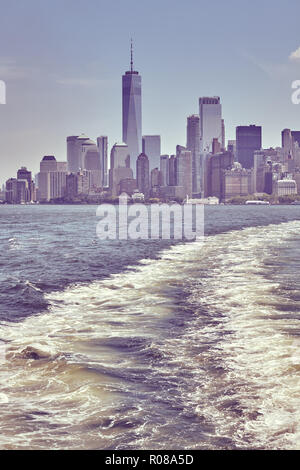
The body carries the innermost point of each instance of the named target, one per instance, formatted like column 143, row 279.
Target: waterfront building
column 173, row 193
column 71, row 186
column 24, row 174
column 17, row 191
column 128, row 186
column 285, row 187
column 51, row 179
column 237, row 181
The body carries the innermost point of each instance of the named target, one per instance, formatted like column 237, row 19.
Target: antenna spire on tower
column 131, row 62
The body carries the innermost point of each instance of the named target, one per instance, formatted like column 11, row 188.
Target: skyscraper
column 72, row 154
column 223, row 135
column 17, row 191
column 248, row 139
column 132, row 112
column 24, row 174
column 296, row 136
column 142, row 174
column 193, row 144
column 151, row 147
column 216, row 165
column 119, row 167
column 75, row 152
column 119, row 156
column 91, row 163
column 231, row 147
column 184, row 170
column 164, row 168
column 52, row 178
column 210, row 112
column 172, row 171
column 102, row 143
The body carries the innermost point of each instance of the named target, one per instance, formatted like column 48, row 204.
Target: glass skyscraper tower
column 132, row 112
column 210, row 111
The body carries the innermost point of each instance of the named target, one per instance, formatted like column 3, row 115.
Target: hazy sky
column 62, row 61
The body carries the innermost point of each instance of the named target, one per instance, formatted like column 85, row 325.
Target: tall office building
column 151, row 146
column 52, row 178
column 184, row 170
column 91, row 163
column 142, row 174
column 193, row 144
column 210, row 112
column 75, row 152
column 164, row 169
column 296, row 136
column 24, row 174
column 287, row 141
column 223, row 135
column 119, row 156
column 72, row 154
column 216, row 147
column 231, row 147
column 17, row 191
column 102, row 143
column 156, row 179
column 132, row 112
column 172, row 171
column 119, row 167
column 216, row 165
column 248, row 139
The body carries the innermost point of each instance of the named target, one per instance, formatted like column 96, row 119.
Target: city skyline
column 51, row 94
column 204, row 168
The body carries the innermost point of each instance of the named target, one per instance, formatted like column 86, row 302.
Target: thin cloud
column 11, row 70
column 272, row 69
column 84, row 82
column 295, row 55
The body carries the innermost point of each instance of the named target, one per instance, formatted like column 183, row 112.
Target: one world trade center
column 132, row 112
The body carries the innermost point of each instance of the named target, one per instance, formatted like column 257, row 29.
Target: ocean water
column 149, row 344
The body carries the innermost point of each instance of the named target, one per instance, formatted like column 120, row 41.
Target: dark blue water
column 46, row 248
column 150, row 343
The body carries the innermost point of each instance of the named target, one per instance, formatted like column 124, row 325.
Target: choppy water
column 150, row 345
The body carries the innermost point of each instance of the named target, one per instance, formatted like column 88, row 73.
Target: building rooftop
column 49, row 158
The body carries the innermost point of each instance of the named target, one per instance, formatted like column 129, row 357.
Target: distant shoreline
column 146, row 203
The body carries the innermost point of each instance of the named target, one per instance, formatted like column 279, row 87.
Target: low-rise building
column 285, row 187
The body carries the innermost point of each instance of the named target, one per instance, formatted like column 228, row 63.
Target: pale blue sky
column 62, row 61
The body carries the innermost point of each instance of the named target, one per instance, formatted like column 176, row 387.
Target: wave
column 182, row 352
